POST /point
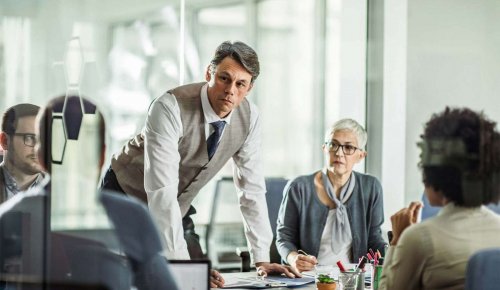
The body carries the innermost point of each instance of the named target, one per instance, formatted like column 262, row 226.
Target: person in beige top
column 460, row 163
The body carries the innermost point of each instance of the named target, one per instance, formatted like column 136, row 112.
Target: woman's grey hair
column 349, row 125
column 240, row 52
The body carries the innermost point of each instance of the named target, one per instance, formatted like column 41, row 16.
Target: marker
column 341, row 267
column 361, row 265
column 371, row 252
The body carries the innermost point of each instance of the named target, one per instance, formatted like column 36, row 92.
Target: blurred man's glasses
column 29, row 139
column 347, row 149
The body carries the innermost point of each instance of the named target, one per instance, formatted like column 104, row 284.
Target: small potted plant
column 325, row 282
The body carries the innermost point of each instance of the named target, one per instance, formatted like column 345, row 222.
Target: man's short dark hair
column 481, row 161
column 14, row 113
column 240, row 52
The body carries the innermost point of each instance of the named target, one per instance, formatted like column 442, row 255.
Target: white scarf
column 341, row 229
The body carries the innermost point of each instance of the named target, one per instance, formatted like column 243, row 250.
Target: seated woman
column 460, row 163
column 335, row 213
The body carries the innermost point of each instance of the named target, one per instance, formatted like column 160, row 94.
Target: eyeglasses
column 347, row 149
column 29, row 139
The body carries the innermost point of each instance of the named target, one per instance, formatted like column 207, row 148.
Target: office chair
column 429, row 211
column 225, row 230
column 94, row 264
column 27, row 248
column 482, row 271
column 140, row 241
column 274, row 196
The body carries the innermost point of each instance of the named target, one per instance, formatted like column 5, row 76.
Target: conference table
column 252, row 276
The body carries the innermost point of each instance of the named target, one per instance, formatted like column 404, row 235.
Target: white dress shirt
column 162, row 131
column 325, row 254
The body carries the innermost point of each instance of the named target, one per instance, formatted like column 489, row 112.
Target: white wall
column 453, row 60
column 386, row 91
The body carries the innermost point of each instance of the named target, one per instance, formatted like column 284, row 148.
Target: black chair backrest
column 274, row 195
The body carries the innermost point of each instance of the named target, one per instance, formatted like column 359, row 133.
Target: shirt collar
column 11, row 183
column 208, row 112
column 452, row 208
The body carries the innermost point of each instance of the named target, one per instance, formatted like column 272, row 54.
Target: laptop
column 191, row 274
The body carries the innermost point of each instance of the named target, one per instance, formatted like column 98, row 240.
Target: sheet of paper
column 269, row 282
column 291, row 282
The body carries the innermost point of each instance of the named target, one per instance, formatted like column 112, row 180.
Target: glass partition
column 121, row 55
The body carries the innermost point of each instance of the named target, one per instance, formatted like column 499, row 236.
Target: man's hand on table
column 263, row 269
column 266, row 268
column 216, row 280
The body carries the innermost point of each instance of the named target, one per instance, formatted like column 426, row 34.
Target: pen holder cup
column 352, row 280
column 376, row 275
column 325, row 277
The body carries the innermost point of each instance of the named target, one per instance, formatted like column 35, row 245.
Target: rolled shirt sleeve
column 251, row 187
column 162, row 131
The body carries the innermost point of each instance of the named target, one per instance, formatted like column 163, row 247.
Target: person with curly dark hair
column 460, row 164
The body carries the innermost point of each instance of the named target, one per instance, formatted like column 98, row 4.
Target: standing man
column 20, row 169
column 190, row 133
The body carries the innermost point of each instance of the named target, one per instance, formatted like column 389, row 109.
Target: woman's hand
column 216, row 280
column 403, row 219
column 302, row 262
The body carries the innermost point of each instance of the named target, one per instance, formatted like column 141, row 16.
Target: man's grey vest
column 195, row 170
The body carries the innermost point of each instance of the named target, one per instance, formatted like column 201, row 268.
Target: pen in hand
column 303, row 253
column 302, row 261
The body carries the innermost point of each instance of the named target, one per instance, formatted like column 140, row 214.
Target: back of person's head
column 348, row 125
column 461, row 157
column 66, row 118
column 14, row 113
column 71, row 148
column 240, row 52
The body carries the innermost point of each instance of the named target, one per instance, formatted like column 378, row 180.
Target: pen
column 303, row 253
column 276, row 284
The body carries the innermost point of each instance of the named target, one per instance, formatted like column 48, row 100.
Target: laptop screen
column 191, row 274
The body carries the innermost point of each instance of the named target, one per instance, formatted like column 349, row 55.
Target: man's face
column 20, row 155
column 229, row 84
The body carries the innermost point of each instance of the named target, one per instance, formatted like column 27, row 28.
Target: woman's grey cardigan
column 302, row 217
